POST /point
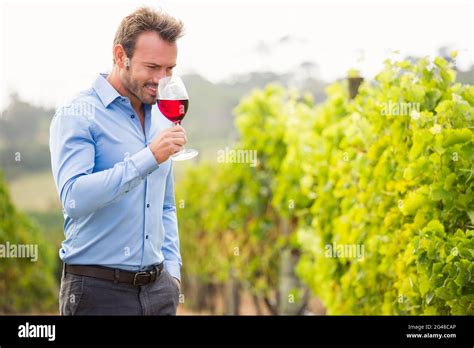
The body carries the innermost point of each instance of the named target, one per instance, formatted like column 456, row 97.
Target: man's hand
column 168, row 142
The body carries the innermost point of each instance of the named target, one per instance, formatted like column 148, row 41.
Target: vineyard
column 365, row 201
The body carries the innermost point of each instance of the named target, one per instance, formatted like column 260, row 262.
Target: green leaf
column 412, row 203
column 471, row 216
column 429, row 297
column 444, row 293
column 456, row 136
column 424, row 285
column 463, row 277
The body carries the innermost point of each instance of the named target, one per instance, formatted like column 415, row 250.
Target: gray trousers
column 81, row 295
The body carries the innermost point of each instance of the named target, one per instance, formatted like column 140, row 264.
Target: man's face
column 153, row 59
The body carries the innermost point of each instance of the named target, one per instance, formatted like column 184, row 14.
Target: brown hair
column 146, row 19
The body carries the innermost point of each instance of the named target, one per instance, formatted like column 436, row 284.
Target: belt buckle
column 139, row 275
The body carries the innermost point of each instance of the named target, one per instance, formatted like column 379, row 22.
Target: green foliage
column 226, row 217
column 390, row 171
column 226, row 225
column 400, row 185
column 25, row 286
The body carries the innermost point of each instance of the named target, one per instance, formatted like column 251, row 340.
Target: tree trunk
column 293, row 298
column 232, row 297
column 354, row 83
column 256, row 303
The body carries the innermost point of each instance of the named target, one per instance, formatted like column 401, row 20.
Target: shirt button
column 132, row 116
column 146, row 236
column 148, row 205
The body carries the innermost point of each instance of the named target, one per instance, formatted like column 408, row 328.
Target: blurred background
column 248, row 65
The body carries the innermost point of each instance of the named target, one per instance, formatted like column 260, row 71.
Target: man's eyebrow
column 157, row 65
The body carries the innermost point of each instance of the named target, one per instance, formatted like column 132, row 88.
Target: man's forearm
column 87, row 193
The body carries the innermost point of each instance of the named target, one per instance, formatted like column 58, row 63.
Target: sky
column 50, row 50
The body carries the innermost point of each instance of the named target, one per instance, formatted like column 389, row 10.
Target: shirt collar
column 104, row 90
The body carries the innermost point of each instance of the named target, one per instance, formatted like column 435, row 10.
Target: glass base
column 184, row 155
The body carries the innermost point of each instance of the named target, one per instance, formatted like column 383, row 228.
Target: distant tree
column 24, row 130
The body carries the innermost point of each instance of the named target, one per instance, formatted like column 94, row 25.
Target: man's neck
column 114, row 80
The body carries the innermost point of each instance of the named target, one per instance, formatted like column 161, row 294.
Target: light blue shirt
column 118, row 203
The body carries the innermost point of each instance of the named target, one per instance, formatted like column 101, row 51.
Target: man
column 111, row 166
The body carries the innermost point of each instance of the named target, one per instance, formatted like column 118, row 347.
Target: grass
column 35, row 192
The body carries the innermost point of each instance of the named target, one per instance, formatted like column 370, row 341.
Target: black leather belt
column 116, row 275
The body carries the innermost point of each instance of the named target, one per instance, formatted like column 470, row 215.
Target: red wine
column 173, row 110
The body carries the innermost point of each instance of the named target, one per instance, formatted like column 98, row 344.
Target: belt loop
column 158, row 272
column 116, row 276
column 160, row 269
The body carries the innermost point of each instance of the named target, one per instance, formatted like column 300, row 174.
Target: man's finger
column 177, row 135
column 176, row 128
column 178, row 141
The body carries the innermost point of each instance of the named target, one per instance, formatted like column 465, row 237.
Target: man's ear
column 120, row 57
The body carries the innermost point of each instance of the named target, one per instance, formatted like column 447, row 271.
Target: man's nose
column 161, row 74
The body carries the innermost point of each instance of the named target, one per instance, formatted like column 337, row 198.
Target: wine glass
column 173, row 101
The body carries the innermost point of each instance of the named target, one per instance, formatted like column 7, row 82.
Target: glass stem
column 178, row 123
